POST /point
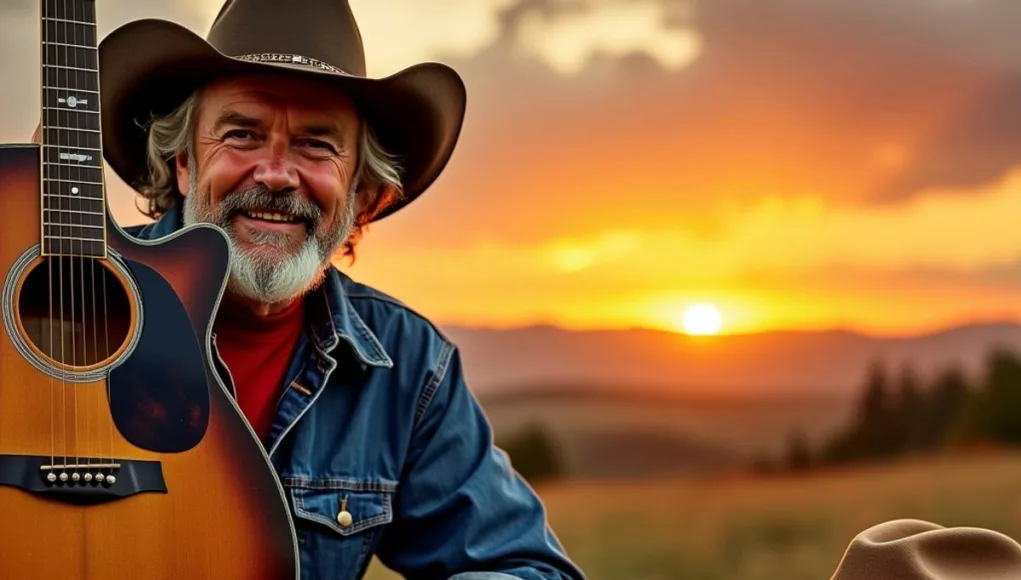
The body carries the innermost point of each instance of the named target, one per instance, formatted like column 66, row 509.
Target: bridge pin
column 110, row 480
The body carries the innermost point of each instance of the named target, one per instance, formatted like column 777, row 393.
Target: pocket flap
column 344, row 511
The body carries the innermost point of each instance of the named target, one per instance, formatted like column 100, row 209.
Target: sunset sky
column 801, row 164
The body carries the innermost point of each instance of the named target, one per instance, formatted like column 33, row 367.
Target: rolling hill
column 766, row 364
column 647, row 403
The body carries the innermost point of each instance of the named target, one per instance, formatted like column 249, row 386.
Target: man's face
column 273, row 165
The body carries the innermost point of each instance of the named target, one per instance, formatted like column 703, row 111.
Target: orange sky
column 799, row 164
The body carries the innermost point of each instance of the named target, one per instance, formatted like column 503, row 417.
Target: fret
column 59, row 228
column 72, row 188
column 66, row 55
column 89, row 214
column 77, row 235
column 64, row 119
column 77, row 139
column 73, row 197
column 56, row 128
column 67, row 67
column 93, row 149
column 74, row 246
column 73, row 209
column 72, row 216
column 67, row 20
column 69, row 32
column 75, row 182
column 70, row 110
column 69, row 171
column 66, row 45
column 57, row 202
column 70, row 9
column 71, row 78
column 70, row 89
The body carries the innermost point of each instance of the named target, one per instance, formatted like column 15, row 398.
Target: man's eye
column 238, row 134
column 320, row 145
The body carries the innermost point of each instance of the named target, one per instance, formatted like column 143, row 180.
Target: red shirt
column 257, row 352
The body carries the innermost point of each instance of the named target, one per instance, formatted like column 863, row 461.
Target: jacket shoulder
column 385, row 314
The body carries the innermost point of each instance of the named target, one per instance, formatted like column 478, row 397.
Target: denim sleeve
column 460, row 507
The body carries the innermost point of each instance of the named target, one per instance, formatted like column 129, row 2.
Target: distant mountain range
column 833, row 363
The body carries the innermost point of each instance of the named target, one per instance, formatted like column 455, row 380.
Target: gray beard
column 258, row 272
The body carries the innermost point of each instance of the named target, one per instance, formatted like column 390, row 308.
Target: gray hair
column 171, row 134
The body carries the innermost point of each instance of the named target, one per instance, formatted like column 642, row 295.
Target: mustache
column 260, row 198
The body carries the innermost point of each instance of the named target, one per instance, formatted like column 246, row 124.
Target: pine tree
column 871, row 436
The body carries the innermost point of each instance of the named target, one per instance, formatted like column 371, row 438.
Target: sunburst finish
column 122, row 455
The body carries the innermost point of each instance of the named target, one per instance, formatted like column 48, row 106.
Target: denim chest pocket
column 337, row 523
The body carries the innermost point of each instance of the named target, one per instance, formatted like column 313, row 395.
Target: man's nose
column 276, row 172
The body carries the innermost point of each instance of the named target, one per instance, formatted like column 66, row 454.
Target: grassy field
column 775, row 528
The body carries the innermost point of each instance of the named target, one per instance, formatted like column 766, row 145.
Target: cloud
column 975, row 147
column 577, row 122
column 566, row 35
column 851, row 101
column 399, row 33
column 784, row 262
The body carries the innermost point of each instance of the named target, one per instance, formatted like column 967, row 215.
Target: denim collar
column 333, row 316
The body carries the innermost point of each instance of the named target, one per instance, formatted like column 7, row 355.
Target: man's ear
column 183, row 172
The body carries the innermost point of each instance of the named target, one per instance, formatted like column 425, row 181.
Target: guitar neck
column 74, row 197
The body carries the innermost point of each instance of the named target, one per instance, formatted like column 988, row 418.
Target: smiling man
column 271, row 130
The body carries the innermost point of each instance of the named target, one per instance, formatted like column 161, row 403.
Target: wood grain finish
column 223, row 516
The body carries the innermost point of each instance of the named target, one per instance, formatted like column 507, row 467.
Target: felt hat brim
column 911, row 549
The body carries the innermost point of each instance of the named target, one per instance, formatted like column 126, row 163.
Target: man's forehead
column 297, row 95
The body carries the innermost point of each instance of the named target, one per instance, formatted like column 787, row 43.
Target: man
column 272, row 131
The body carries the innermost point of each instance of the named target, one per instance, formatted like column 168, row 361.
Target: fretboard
column 74, row 201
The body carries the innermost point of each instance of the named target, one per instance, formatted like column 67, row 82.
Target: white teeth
column 271, row 216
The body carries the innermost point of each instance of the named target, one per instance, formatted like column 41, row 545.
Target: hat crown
column 323, row 30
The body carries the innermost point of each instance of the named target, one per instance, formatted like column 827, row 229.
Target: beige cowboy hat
column 909, row 549
column 150, row 66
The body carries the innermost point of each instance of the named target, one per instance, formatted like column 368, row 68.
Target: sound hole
column 74, row 310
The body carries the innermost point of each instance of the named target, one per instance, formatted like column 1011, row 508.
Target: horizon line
column 835, row 329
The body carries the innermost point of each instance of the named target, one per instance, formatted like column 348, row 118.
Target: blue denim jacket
column 376, row 410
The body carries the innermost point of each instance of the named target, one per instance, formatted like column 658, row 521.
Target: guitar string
column 86, row 262
column 77, row 234
column 47, row 184
column 103, row 275
column 95, row 262
column 60, row 270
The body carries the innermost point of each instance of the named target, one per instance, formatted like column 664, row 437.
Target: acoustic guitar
column 122, row 454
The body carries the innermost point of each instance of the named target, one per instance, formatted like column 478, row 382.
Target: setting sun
column 702, row 319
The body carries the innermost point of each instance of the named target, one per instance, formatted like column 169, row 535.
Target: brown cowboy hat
column 909, row 549
column 150, row 66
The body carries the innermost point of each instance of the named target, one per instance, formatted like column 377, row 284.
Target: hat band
column 290, row 59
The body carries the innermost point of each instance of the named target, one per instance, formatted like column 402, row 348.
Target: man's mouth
column 274, row 221
column 271, row 216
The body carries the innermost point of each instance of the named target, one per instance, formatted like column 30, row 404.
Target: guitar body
column 129, row 393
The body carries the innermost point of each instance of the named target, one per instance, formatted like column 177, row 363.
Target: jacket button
column 344, row 518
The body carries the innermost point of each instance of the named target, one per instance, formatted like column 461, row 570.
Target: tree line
column 898, row 414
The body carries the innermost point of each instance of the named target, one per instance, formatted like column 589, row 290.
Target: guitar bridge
column 81, row 473
column 83, row 481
